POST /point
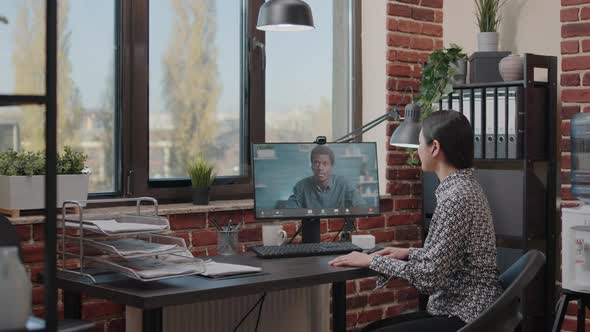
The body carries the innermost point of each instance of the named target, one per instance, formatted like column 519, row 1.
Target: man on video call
column 323, row 189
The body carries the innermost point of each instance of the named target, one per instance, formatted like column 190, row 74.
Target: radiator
column 297, row 310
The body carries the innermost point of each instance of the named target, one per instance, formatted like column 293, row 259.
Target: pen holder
column 227, row 242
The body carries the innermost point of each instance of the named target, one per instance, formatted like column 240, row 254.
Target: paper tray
column 142, row 245
column 123, row 225
column 152, row 269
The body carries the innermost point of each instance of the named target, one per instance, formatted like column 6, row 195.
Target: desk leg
column 152, row 320
column 339, row 306
column 72, row 305
column 581, row 315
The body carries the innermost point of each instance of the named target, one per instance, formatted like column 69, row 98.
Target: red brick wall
column 575, row 97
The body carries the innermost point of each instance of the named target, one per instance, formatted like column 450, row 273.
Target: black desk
column 153, row 296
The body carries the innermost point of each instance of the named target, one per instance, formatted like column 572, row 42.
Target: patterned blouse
column 457, row 265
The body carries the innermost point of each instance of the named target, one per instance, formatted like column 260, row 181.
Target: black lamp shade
column 285, row 15
column 406, row 135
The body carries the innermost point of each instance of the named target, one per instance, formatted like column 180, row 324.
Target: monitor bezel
column 314, row 217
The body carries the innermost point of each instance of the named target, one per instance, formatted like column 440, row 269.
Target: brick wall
column 575, row 97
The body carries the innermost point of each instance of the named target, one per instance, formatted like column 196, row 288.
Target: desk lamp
column 285, row 15
column 406, row 136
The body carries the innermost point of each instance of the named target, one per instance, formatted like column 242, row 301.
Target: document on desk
column 217, row 270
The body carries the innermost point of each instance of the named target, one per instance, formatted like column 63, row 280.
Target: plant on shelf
column 438, row 76
column 202, row 174
column 22, row 178
column 413, row 159
column 488, row 21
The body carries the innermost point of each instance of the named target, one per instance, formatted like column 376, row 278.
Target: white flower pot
column 15, row 288
column 487, row 42
column 28, row 192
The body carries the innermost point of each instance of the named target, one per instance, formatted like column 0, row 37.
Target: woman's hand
column 392, row 252
column 354, row 259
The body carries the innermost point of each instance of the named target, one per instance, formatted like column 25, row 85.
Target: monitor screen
column 307, row 180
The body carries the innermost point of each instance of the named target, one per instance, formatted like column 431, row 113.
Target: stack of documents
column 112, row 226
column 128, row 247
column 150, row 268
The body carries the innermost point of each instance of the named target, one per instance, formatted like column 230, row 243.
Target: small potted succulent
column 22, row 179
column 202, row 174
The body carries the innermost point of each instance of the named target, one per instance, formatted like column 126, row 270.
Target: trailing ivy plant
column 29, row 163
column 436, row 77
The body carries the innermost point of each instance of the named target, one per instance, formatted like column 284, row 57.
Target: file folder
column 456, row 101
column 501, row 147
column 515, row 124
column 478, row 101
column 490, row 127
column 466, row 104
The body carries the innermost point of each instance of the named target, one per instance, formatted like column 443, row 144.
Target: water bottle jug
column 580, row 136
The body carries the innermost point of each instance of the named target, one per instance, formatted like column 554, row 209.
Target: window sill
column 163, row 210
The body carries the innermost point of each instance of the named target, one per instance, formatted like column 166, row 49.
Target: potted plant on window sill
column 22, row 179
column 202, row 174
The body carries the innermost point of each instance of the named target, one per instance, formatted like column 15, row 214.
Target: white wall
column 527, row 26
column 374, row 50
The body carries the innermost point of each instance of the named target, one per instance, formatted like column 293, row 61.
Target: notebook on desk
column 220, row 270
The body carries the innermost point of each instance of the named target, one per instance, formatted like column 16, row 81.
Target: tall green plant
column 436, row 77
column 487, row 16
column 201, row 172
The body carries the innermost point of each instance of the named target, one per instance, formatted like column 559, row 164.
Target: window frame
column 134, row 104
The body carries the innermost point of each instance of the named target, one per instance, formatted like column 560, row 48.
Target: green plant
column 201, row 172
column 436, row 75
column 412, row 159
column 486, row 12
column 71, row 162
column 29, row 163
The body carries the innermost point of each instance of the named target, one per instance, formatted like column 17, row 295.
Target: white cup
column 273, row 235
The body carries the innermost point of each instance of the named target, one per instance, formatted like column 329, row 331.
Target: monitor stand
column 310, row 230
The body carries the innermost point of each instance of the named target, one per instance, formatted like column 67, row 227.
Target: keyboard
column 305, row 249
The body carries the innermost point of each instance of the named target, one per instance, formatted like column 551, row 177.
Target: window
column 86, row 81
column 145, row 85
column 308, row 77
column 195, row 86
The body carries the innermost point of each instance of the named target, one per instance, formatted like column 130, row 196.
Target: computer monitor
column 310, row 181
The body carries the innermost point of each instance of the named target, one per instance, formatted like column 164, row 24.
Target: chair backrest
column 504, row 314
column 8, row 235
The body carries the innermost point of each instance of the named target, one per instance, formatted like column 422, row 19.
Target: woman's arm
column 429, row 268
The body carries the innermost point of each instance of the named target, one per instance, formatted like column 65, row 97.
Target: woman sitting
column 457, row 265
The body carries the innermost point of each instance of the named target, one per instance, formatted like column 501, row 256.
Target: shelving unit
column 521, row 189
column 128, row 244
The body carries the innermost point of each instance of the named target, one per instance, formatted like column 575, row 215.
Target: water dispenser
column 575, row 234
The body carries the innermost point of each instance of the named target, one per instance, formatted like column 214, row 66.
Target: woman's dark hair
column 453, row 131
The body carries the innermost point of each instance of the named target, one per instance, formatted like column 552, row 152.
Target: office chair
column 504, row 314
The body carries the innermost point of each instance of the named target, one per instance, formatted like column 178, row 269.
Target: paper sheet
column 214, row 269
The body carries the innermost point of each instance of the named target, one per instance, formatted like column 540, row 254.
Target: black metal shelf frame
column 49, row 99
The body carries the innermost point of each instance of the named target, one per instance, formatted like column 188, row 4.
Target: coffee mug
column 273, row 235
